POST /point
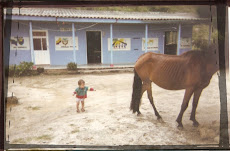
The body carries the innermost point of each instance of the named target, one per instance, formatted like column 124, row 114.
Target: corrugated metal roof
column 73, row 13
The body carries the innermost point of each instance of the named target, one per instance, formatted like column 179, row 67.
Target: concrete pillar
column 146, row 37
column 74, row 43
column 178, row 39
column 111, row 44
column 31, row 43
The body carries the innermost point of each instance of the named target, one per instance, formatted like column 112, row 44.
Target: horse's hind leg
column 196, row 97
column 187, row 96
column 149, row 91
column 143, row 89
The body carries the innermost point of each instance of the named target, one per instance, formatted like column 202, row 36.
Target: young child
column 81, row 94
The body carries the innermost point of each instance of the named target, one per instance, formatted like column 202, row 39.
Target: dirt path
column 47, row 113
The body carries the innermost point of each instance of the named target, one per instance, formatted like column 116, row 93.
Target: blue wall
column 58, row 57
column 133, row 31
column 20, row 55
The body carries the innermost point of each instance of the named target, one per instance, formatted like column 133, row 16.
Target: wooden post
column 2, row 105
column 209, row 36
column 4, row 55
column 228, row 43
column 221, row 21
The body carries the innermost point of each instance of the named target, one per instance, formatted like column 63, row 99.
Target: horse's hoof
column 159, row 118
column 139, row 114
column 196, row 124
column 180, row 126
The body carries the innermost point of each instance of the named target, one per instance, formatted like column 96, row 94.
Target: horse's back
column 145, row 62
column 169, row 71
column 155, row 59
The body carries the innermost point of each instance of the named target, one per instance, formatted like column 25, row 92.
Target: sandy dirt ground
column 46, row 113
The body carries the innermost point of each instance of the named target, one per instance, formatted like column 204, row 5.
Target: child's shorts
column 79, row 99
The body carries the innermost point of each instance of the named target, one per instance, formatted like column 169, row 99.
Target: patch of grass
column 33, row 108
column 22, row 140
column 19, row 141
column 44, row 137
column 36, row 108
column 75, row 131
column 71, row 125
column 50, row 129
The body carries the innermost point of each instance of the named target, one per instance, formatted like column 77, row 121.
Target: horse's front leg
column 187, row 96
column 196, row 97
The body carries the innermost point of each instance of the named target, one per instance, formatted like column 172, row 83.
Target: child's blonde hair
column 81, row 82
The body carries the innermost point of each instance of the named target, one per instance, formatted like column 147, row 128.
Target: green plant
column 71, row 66
column 201, row 37
column 24, row 68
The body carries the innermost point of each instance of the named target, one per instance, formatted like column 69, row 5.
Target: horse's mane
column 193, row 53
column 142, row 56
column 195, row 56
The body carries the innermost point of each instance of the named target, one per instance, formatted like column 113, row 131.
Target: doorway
column 170, row 42
column 41, row 51
column 93, row 46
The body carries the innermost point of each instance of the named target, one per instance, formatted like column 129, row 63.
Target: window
column 36, row 33
column 44, row 45
column 39, row 40
column 37, row 44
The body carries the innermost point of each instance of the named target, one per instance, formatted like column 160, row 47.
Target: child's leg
column 83, row 105
column 78, row 102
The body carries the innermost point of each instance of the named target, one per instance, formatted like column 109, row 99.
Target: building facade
column 59, row 36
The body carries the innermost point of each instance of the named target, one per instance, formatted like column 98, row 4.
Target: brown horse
column 191, row 71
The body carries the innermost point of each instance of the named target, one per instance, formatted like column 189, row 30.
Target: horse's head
column 212, row 59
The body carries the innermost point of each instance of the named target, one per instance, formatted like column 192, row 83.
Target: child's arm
column 74, row 93
column 92, row 89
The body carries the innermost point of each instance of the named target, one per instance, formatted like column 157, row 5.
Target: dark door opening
column 170, row 43
column 93, row 46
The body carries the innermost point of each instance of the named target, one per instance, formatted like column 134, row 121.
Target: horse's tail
column 136, row 96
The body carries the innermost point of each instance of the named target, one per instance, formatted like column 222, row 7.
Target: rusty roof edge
column 73, row 13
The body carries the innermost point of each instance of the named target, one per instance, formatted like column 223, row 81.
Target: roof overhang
column 97, row 20
column 93, row 3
